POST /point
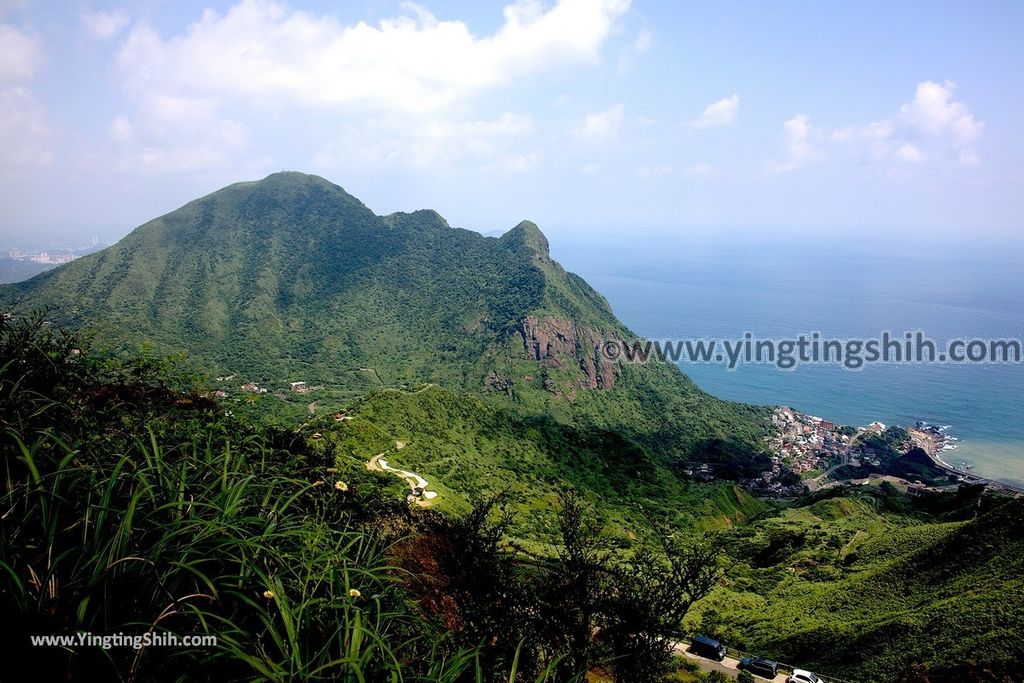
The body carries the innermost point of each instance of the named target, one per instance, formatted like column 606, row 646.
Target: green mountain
column 292, row 279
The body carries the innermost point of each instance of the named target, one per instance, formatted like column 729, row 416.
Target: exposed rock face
column 562, row 344
column 499, row 383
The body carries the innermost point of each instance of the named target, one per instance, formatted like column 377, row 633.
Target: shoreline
column 935, row 437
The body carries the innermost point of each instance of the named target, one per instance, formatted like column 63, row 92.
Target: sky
column 781, row 121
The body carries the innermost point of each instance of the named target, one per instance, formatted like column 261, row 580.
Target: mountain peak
column 291, row 274
column 289, row 191
column 419, row 221
column 290, row 181
column 529, row 235
column 294, row 177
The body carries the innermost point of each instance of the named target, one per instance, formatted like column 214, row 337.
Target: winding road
column 414, row 480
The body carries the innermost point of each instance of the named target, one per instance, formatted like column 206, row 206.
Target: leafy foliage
column 587, row 608
column 132, row 508
column 864, row 584
column 466, row 448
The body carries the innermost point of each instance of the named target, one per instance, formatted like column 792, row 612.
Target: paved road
column 729, row 665
column 818, row 483
column 411, row 478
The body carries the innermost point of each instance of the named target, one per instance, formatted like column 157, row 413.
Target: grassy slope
column 467, row 449
column 846, row 589
column 129, row 507
column 858, row 585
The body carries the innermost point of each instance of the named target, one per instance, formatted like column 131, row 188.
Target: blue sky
column 754, row 121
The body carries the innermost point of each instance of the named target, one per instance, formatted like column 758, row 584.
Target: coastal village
column 809, row 453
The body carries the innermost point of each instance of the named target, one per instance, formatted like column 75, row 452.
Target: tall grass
column 131, row 508
column 127, row 508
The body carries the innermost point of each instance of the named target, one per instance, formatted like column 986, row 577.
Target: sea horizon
column 723, row 292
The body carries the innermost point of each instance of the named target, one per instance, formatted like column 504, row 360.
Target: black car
column 707, row 647
column 760, row 666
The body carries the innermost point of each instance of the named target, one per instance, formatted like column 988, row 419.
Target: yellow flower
column 341, row 486
column 269, row 595
column 354, row 593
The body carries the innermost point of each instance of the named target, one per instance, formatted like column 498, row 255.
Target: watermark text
column 814, row 349
column 136, row 641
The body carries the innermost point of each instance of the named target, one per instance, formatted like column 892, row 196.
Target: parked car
column 760, row 666
column 802, row 676
column 707, row 647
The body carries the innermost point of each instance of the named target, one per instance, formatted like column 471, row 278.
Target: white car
column 801, row 676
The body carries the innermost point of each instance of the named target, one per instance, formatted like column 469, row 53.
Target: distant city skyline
column 694, row 120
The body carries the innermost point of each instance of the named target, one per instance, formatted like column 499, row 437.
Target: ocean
column 665, row 289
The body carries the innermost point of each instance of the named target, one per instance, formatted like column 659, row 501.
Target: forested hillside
column 292, row 279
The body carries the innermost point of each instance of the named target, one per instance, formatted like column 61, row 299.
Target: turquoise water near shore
column 682, row 292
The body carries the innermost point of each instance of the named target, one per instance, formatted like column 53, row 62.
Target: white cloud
column 654, row 171
column 398, row 78
column 25, row 139
column 843, row 134
column 20, row 56
column 630, row 53
column 177, row 134
column 907, row 152
column 415, row 62
column 515, row 163
column 121, row 129
column 507, row 125
column 603, row 124
column 104, row 25
column 643, row 41
column 719, row 113
column 934, row 114
column 796, row 134
column 796, row 131
column 589, row 169
column 931, row 127
column 699, row 170
column 488, row 144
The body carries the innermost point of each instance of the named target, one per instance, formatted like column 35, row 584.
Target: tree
column 649, row 598
column 578, row 582
column 460, row 574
